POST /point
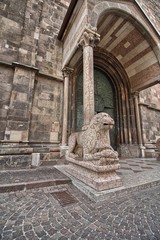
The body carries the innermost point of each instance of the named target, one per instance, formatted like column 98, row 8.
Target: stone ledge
column 149, row 106
column 15, row 150
column 32, row 185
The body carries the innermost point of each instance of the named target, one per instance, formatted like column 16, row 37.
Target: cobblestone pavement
column 38, row 215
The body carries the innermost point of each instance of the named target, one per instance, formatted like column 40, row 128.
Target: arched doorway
column 104, row 100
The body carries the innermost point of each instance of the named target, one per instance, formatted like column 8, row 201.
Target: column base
column 158, row 156
column 129, row 150
column 63, row 150
column 150, row 150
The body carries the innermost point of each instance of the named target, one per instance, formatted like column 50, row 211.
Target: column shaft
column 88, row 85
column 88, row 41
column 66, row 73
column 138, row 119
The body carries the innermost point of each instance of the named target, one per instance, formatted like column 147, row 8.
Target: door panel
column 104, row 99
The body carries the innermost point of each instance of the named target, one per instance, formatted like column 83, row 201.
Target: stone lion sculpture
column 94, row 142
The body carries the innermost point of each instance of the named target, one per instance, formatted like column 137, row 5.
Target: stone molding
column 29, row 67
column 149, row 106
column 21, row 65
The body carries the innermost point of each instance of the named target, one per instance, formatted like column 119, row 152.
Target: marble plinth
column 96, row 174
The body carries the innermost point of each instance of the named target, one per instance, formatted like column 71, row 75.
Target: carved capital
column 135, row 94
column 67, row 71
column 89, row 37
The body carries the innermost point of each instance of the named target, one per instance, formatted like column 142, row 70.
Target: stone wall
column 31, row 87
column 76, row 28
column 46, row 111
column 29, row 30
column 152, row 11
column 150, row 113
column 6, row 78
column 49, row 50
column 12, row 15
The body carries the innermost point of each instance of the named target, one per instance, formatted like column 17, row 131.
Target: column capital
column 67, row 71
column 135, row 94
column 89, row 37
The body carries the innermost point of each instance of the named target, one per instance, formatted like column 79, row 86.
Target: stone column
column 66, row 73
column 88, row 41
column 138, row 122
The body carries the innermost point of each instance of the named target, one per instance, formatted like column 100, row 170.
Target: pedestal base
column 99, row 177
column 63, row 150
column 158, row 156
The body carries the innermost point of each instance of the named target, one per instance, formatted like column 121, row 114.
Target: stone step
column 20, row 180
column 23, row 157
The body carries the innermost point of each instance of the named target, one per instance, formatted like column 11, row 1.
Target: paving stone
column 133, row 216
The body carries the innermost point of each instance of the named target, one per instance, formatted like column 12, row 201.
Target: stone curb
column 96, row 196
column 116, row 192
column 32, row 185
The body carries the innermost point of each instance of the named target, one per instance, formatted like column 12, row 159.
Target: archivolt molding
column 111, row 67
column 128, row 12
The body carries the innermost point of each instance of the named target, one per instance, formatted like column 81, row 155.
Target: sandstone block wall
column 6, row 76
column 150, row 113
column 28, row 37
column 31, row 81
column 46, row 111
column 151, row 9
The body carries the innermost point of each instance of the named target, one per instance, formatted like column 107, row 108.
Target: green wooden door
column 104, row 99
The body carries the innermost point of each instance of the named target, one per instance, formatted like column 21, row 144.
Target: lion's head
column 102, row 120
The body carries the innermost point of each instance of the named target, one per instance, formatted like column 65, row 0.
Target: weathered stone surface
column 158, row 147
column 29, row 214
column 129, row 150
column 15, row 150
column 6, row 78
column 150, row 113
column 100, row 177
column 35, row 159
column 46, row 111
column 91, row 158
column 31, row 87
column 93, row 143
column 151, row 9
column 20, row 105
column 10, row 38
column 15, row 161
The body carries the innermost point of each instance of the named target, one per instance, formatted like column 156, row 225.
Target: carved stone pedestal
column 100, row 175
